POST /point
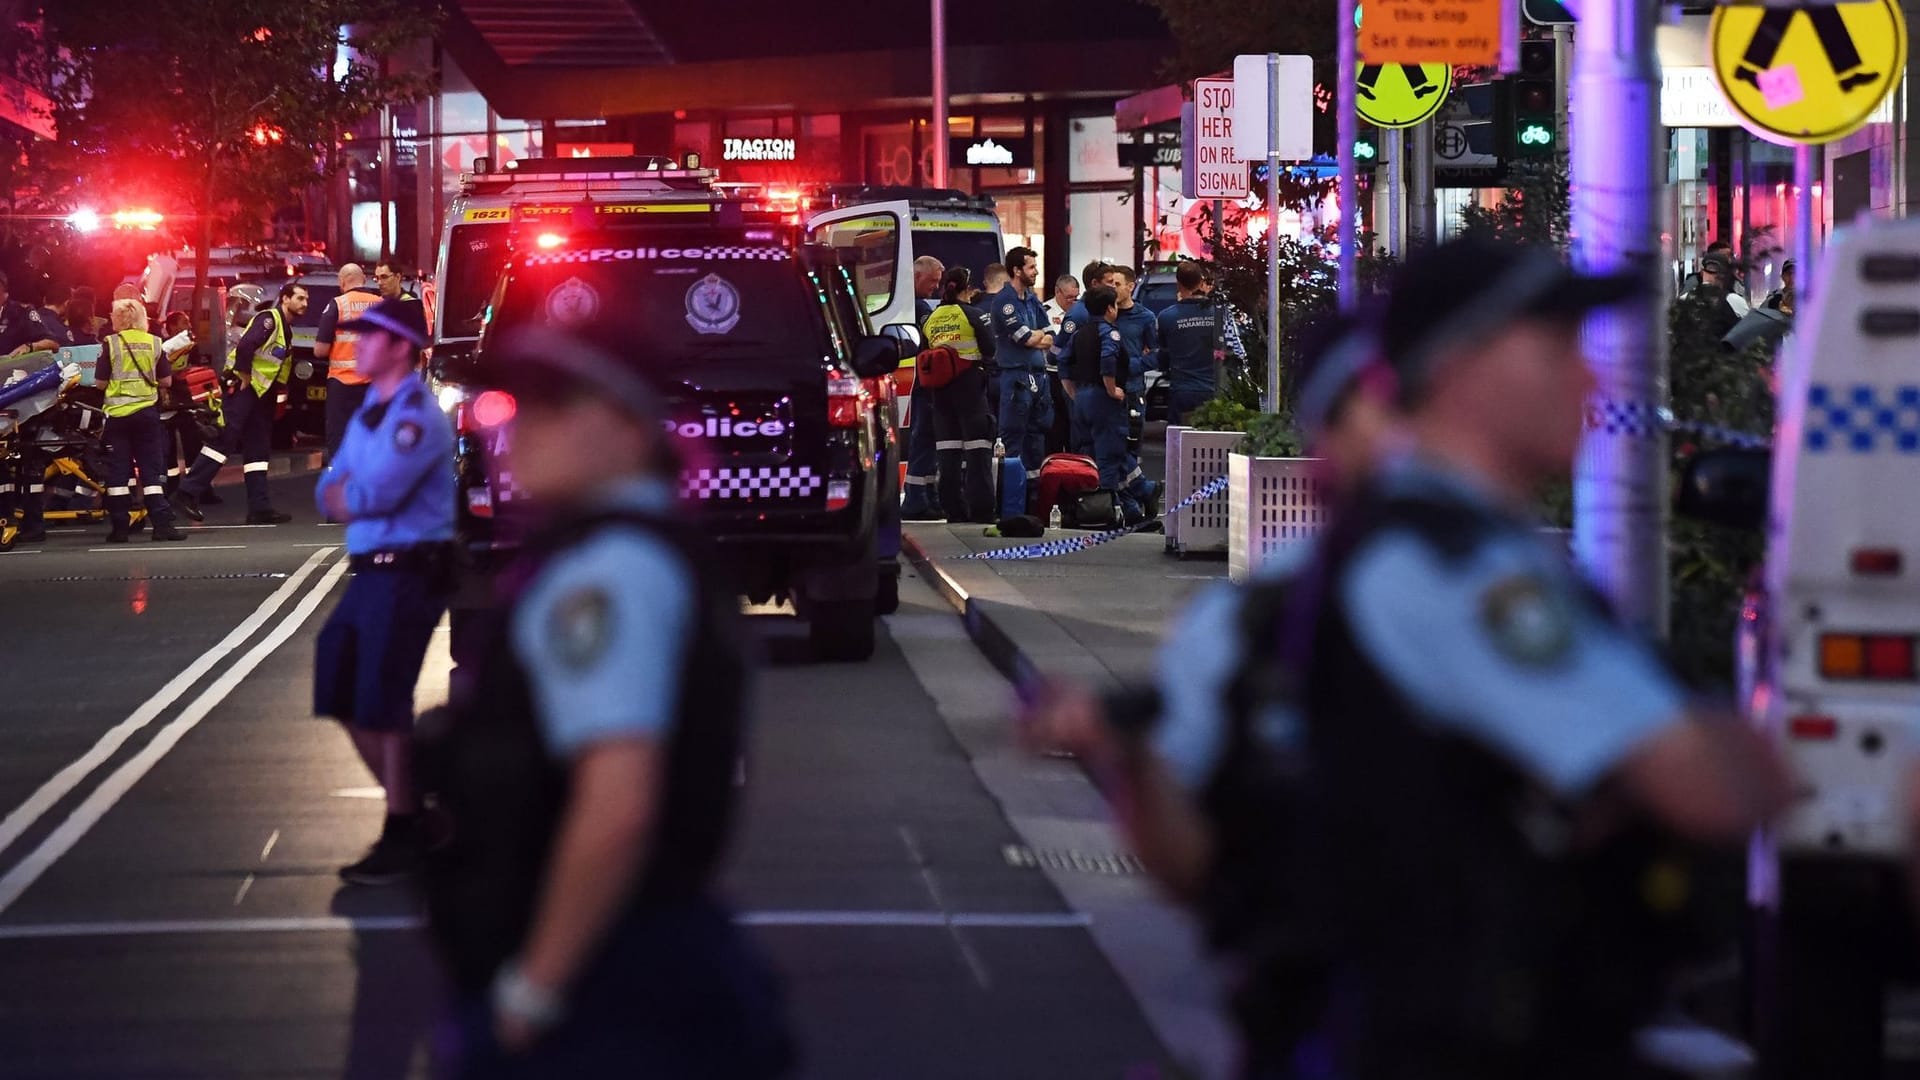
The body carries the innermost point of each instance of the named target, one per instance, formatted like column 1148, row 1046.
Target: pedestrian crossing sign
column 1401, row 95
column 1808, row 74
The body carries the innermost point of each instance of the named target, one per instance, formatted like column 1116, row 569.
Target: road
column 175, row 816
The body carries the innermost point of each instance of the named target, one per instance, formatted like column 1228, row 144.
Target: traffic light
column 1528, row 101
column 1366, row 147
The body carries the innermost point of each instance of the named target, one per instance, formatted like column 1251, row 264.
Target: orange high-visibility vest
column 341, row 360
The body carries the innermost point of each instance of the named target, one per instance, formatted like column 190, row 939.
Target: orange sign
column 1430, row 32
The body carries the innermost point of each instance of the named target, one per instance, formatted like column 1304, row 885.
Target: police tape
column 1642, row 420
column 1070, row 544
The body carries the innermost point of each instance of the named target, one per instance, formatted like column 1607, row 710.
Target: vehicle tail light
column 1876, row 562
column 1813, row 728
column 480, row 501
column 1873, row 657
column 494, row 408
column 847, row 401
column 547, row 241
column 839, row 494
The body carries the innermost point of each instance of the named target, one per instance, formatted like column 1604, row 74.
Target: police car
column 790, row 451
column 1830, row 643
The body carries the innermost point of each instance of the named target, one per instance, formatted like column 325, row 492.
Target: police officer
column 1099, row 374
column 589, row 774
column 346, row 384
column 1020, row 325
column 1188, row 344
column 1498, row 770
column 1079, row 436
column 259, row 362
column 392, row 484
column 918, row 502
column 963, row 431
column 131, row 369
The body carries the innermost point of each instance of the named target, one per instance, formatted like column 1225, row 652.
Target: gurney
column 51, row 426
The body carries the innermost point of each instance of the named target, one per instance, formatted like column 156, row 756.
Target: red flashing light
column 1876, row 562
column 137, row 219
column 547, row 241
column 1813, row 728
column 494, row 408
column 847, row 401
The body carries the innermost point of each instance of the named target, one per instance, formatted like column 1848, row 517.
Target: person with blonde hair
column 132, row 371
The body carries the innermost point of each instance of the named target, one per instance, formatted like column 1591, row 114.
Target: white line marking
column 63, row 782
column 329, row 543
column 149, row 546
column 115, row 786
column 1066, row 920
column 241, row 893
column 359, row 793
column 268, row 850
column 23, row 551
column 197, row 528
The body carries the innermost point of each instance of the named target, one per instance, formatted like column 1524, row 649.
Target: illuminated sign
column 991, row 152
column 593, row 149
column 756, row 150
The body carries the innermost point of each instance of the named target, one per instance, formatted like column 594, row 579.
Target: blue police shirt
column 396, row 463
column 1018, row 322
column 1140, row 331
column 1075, row 318
column 1186, row 344
column 602, row 631
column 1498, row 646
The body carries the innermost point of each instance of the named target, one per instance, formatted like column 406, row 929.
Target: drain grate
column 1079, row 862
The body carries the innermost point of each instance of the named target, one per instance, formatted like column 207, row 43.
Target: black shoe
column 212, row 499
column 167, row 532
column 1858, row 79
column 1748, row 75
column 188, row 506
column 391, row 859
column 1426, row 91
column 268, row 517
column 117, row 536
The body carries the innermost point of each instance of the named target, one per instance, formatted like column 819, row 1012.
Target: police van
column 1831, row 647
column 789, row 450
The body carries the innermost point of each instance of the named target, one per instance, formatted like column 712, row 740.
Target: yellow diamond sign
column 1808, row 74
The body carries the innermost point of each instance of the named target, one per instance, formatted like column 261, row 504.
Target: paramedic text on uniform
column 346, row 383
column 392, row 484
column 589, row 773
column 1478, row 724
column 133, row 371
column 1188, row 344
column 1020, row 322
column 259, row 361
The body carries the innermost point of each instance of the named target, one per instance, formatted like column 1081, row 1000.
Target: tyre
column 887, row 600
column 841, row 630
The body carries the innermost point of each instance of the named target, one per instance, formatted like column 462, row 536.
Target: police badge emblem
column 572, row 302
column 713, row 305
column 580, row 627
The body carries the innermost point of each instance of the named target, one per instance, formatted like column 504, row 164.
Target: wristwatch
column 525, row 1000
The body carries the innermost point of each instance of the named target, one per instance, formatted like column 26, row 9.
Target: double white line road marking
column 115, row 786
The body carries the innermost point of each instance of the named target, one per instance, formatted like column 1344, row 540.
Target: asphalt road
column 174, row 819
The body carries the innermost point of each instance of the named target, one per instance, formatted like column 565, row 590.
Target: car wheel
column 841, row 630
column 887, row 600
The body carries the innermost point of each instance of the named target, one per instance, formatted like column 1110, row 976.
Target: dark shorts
column 369, row 654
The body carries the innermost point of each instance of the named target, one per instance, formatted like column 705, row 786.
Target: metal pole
column 1803, row 181
column 1620, row 479
column 940, row 143
column 1219, row 310
column 1347, row 125
column 1396, row 149
column 1273, row 232
column 1422, row 214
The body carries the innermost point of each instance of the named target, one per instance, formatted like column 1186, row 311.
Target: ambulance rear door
column 874, row 242
column 1843, row 562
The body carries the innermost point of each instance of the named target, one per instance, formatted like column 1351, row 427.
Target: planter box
column 1271, row 503
column 1193, row 459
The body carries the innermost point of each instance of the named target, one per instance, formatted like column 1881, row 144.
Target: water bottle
column 1053, row 517
column 999, row 454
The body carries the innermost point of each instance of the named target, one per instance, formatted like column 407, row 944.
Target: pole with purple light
column 1620, row 478
column 1347, row 133
column 939, row 133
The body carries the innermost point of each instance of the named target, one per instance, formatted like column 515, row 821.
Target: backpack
column 939, row 366
column 1072, row 482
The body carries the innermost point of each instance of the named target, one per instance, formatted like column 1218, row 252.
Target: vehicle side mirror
column 907, row 334
column 1726, row 487
column 876, row 356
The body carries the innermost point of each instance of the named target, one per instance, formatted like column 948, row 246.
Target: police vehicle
column 1830, row 644
column 790, row 450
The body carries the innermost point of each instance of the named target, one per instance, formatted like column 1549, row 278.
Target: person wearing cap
column 391, row 483
column 589, row 772
column 1197, row 765
column 1781, row 299
column 259, row 362
column 346, row 383
column 1502, row 774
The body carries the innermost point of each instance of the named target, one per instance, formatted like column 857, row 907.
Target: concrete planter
column 1194, row 458
column 1271, row 503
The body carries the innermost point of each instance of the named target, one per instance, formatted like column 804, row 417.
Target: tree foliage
column 1535, row 209
column 1208, row 34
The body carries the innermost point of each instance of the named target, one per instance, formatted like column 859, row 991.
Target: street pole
column 1620, row 478
column 1347, row 127
column 1219, row 309
column 940, row 144
column 1273, row 232
column 1396, row 149
column 1422, row 215
column 1803, row 181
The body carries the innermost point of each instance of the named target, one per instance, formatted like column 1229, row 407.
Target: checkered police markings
column 784, row 482
column 716, row 253
column 1861, row 419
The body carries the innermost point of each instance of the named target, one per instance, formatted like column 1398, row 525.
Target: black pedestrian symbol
column 1416, row 80
column 1835, row 40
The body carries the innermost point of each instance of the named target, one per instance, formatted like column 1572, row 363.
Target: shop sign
column 756, row 150
column 1153, row 154
column 991, row 152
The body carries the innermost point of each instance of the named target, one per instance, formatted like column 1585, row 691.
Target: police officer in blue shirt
column 589, row 772
column 392, row 484
column 1188, row 343
column 1501, row 773
column 1140, row 332
column 1020, row 322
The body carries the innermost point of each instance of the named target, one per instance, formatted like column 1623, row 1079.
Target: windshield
column 975, row 249
column 318, row 297
column 475, row 256
column 701, row 293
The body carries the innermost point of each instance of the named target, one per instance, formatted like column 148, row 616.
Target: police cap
column 596, row 359
column 403, row 319
column 1466, row 290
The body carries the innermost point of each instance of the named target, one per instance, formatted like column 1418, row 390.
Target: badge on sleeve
column 580, row 627
column 1007, row 310
column 406, row 435
column 1067, row 327
column 1529, row 623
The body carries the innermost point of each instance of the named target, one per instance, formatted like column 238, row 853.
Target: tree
column 1208, row 34
column 223, row 108
column 1534, row 209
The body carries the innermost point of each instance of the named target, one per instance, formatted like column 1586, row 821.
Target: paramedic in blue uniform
column 391, row 483
column 1503, row 777
column 1079, row 438
column 589, row 773
column 259, row 363
column 1140, row 330
column 1188, row 343
column 1020, row 327
column 1099, row 376
column 920, row 501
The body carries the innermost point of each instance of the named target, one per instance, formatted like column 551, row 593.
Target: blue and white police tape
column 1069, row 544
column 1642, row 420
